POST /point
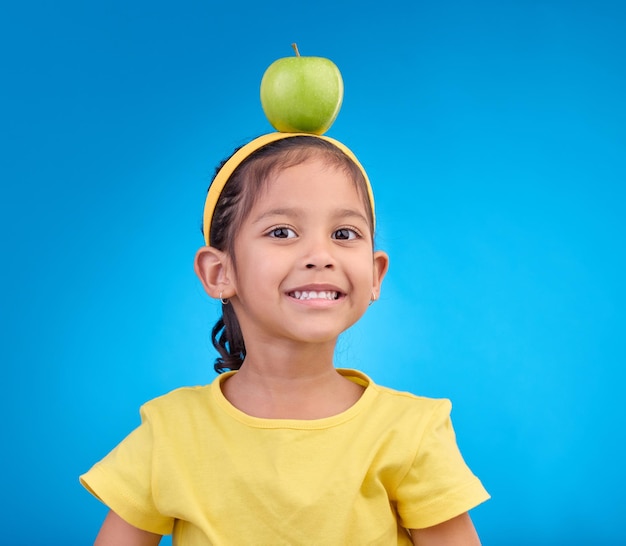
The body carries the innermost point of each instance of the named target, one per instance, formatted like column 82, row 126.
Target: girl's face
column 305, row 269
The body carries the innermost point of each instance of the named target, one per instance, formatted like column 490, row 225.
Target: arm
column 116, row 532
column 458, row 531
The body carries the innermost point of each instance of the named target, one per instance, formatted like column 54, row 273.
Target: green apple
column 302, row 94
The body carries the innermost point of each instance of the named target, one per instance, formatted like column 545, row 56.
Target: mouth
column 305, row 295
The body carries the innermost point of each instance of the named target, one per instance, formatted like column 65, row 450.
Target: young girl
column 283, row 448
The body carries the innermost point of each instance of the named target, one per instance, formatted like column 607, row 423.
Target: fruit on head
column 302, row 94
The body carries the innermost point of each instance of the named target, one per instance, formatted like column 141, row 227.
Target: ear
column 215, row 271
column 381, row 265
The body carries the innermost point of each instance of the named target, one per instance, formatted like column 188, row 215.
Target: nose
column 313, row 266
column 319, row 254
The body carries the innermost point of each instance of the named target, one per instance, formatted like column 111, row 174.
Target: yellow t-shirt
column 213, row 475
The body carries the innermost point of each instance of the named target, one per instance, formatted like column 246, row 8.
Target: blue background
column 494, row 133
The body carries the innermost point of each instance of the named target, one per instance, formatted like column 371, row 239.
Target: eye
column 346, row 234
column 282, row 232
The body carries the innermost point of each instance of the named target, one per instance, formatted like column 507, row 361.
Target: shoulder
column 401, row 406
column 406, row 397
column 416, row 415
column 177, row 404
column 393, row 396
column 193, row 394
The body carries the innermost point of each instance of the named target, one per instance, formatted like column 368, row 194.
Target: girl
column 283, row 448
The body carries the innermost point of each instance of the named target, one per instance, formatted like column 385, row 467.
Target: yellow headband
column 240, row 155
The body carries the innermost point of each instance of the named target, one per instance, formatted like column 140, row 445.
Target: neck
column 279, row 383
column 279, row 362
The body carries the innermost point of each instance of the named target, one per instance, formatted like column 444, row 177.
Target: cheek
column 364, row 275
column 259, row 270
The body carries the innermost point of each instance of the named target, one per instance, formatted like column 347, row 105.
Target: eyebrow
column 297, row 212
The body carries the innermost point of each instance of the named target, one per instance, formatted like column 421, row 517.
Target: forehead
column 312, row 182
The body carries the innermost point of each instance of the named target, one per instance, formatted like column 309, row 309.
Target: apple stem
column 295, row 48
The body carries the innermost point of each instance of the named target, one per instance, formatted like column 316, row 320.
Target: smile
column 314, row 295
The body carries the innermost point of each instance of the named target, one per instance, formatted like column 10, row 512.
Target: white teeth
column 315, row 295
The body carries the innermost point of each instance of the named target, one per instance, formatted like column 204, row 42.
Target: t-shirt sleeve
column 123, row 481
column 438, row 485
